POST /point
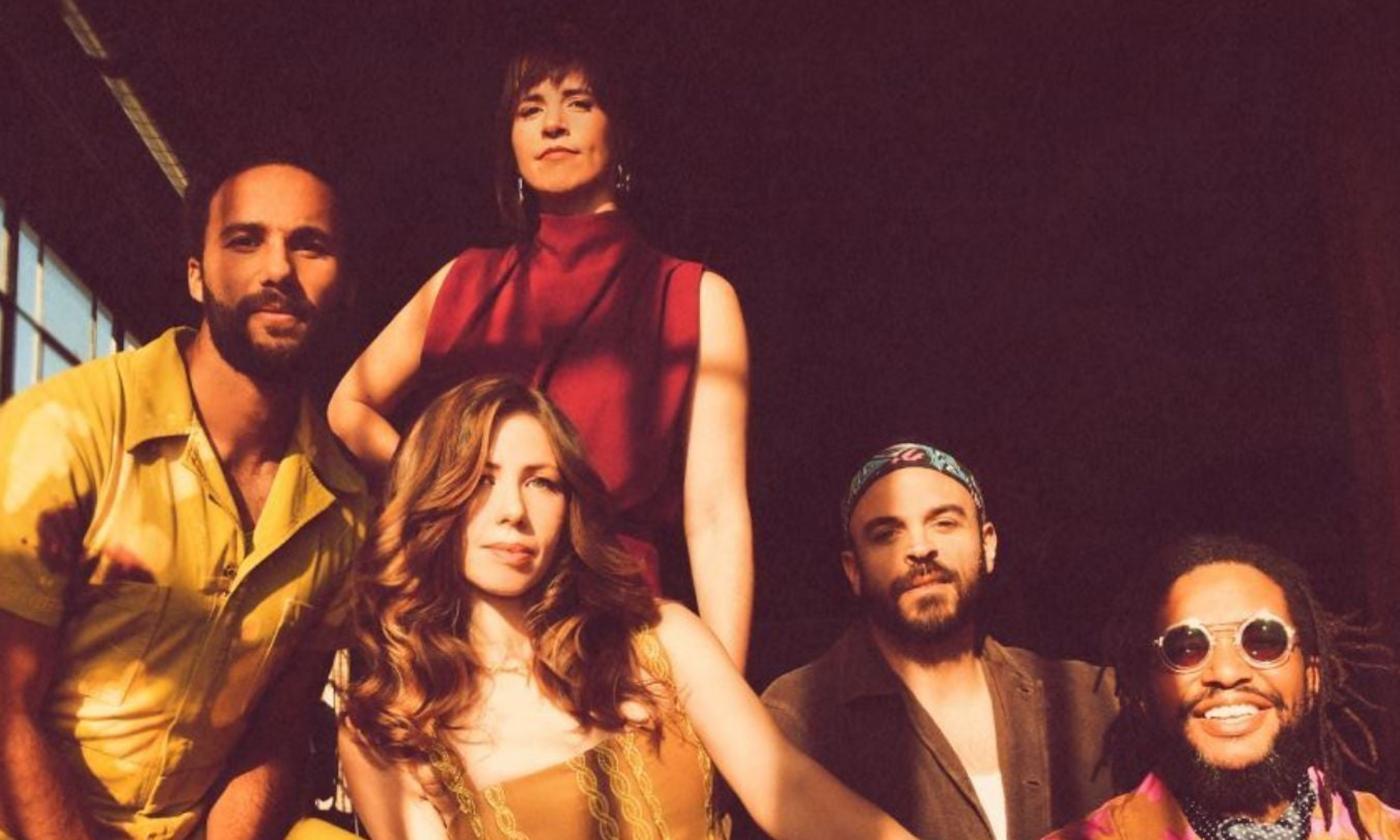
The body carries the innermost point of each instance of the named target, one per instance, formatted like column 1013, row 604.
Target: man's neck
column 936, row 672
column 248, row 421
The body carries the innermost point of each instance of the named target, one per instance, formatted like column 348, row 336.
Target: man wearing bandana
column 1231, row 681
column 952, row 733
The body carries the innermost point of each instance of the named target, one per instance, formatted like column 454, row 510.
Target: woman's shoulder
column 678, row 632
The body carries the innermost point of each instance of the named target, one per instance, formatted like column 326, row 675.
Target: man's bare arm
column 265, row 779
column 36, row 799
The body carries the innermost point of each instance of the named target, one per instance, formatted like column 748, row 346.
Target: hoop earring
column 623, row 182
column 520, row 190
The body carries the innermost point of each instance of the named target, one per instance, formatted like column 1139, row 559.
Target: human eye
column 242, row 241
column 527, row 109
column 546, row 483
column 582, row 103
column 312, row 244
column 884, row 535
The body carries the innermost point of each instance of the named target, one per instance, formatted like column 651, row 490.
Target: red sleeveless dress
column 604, row 324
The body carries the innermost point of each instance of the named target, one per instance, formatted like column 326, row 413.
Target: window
column 53, row 319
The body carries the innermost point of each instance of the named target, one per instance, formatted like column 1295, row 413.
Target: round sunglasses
column 1263, row 640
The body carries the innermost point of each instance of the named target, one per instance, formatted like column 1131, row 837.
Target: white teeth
column 1237, row 710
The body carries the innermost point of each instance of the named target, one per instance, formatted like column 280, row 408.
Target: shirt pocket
column 111, row 637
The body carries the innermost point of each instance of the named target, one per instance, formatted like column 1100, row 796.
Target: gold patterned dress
column 626, row 787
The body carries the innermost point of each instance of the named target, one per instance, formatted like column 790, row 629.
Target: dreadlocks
column 1336, row 646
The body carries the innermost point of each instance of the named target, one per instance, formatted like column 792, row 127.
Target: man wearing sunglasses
column 914, row 707
column 1229, row 674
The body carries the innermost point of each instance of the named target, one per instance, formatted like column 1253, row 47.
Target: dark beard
column 882, row 607
column 228, row 327
column 1248, row 790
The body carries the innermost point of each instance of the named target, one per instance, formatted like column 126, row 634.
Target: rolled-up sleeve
column 55, row 442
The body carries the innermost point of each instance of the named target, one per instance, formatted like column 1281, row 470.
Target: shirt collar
column 864, row 672
column 157, row 394
column 159, row 404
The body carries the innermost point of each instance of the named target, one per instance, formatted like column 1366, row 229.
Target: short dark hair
column 1336, row 645
column 562, row 50
column 207, row 180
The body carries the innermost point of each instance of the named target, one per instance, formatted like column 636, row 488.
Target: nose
column 278, row 265
column 554, row 124
column 507, row 506
column 1225, row 668
column 920, row 553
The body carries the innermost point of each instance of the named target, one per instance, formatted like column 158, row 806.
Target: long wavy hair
column 1336, row 730
column 416, row 675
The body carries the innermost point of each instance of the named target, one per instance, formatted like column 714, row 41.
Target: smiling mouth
column 1234, row 711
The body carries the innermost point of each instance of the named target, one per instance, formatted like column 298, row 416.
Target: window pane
column 106, row 341
column 67, row 310
column 129, row 342
column 26, row 348
column 28, row 276
column 51, row 362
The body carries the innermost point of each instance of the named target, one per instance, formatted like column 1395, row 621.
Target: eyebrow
column 565, row 93
column 883, row 521
column 953, row 507
column 258, row 228
column 492, row 465
column 241, row 227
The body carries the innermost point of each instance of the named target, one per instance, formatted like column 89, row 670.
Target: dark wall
column 1081, row 245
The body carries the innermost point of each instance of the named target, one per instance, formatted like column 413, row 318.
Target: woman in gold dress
column 516, row 678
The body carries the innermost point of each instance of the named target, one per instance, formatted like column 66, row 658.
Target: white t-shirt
column 990, row 794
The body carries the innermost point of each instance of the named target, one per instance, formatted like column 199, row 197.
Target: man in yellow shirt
column 176, row 530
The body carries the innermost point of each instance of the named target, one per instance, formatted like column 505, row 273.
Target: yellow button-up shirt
column 118, row 528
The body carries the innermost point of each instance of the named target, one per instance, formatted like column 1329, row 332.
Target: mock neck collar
column 571, row 238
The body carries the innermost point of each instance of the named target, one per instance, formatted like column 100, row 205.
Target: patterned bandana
column 897, row 457
column 1295, row 824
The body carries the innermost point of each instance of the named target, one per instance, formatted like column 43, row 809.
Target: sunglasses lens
column 1265, row 640
column 1185, row 647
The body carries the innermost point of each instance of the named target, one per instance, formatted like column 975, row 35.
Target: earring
column 624, row 180
column 520, row 190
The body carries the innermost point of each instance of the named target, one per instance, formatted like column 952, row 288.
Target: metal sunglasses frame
column 1211, row 631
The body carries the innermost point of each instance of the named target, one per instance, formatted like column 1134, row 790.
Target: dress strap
column 654, row 659
column 658, row 664
column 453, row 776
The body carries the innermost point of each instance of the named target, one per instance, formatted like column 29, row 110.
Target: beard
column 228, row 328
column 931, row 621
column 1245, row 790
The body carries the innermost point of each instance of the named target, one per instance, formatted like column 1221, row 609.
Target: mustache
column 1273, row 698
column 273, row 299
column 925, row 570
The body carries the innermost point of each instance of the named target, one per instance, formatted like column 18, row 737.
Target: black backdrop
column 1081, row 244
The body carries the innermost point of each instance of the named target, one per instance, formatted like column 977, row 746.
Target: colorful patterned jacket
column 1152, row 813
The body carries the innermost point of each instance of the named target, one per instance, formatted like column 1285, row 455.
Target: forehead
column 275, row 195
column 521, row 437
column 909, row 492
column 572, row 79
column 1221, row 593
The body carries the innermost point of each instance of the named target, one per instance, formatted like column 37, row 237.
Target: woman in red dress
column 644, row 352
